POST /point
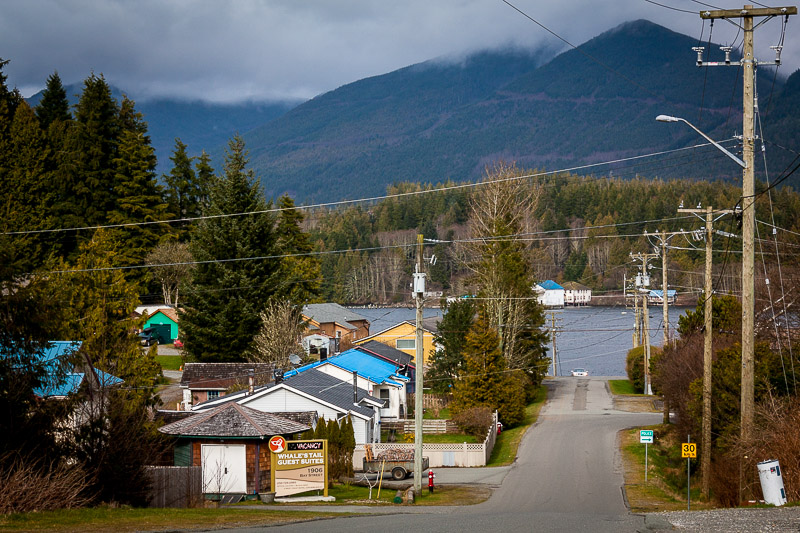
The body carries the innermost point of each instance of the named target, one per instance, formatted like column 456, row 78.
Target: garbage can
column 769, row 472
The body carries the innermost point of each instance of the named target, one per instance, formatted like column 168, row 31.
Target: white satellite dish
column 294, row 359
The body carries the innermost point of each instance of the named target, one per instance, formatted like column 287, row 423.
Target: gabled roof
column 222, row 375
column 233, row 420
column 313, row 384
column 168, row 312
column 428, row 324
column 574, row 286
column 330, row 313
column 399, row 357
column 379, row 371
column 550, row 285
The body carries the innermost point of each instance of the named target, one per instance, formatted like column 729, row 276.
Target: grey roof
column 574, row 286
column 393, row 354
column 317, row 384
column 431, row 323
column 331, row 312
column 222, row 375
column 233, row 420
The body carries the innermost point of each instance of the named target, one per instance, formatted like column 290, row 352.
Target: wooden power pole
column 419, row 294
column 748, row 64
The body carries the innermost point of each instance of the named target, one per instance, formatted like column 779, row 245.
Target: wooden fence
column 176, row 486
column 433, row 426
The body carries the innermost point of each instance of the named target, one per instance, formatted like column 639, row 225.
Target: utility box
column 419, row 283
column 769, row 472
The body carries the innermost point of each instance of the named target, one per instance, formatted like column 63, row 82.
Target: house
column 207, row 381
column 403, row 337
column 312, row 390
column 380, row 377
column 550, row 293
column 164, row 321
column 66, row 374
column 230, row 444
column 335, row 322
column 576, row 294
column 656, row 296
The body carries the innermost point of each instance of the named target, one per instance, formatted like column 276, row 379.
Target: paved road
column 567, row 476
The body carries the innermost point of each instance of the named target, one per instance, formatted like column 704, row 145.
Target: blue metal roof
column 354, row 360
column 59, row 381
column 659, row 293
column 550, row 285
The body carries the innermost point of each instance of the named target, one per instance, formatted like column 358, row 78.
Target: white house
column 312, row 390
column 576, row 294
column 550, row 293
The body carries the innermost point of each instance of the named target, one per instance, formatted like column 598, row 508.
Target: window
column 406, row 344
column 213, row 394
column 384, row 394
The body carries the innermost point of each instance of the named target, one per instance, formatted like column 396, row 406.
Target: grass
column 442, row 495
column 124, row 519
column 665, row 489
column 443, row 414
column 621, row 386
column 170, row 362
column 505, row 449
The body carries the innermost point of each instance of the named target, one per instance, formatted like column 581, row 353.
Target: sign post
column 688, row 450
column 645, row 437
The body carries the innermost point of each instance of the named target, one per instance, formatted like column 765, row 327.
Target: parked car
column 580, row 372
column 177, row 343
column 148, row 336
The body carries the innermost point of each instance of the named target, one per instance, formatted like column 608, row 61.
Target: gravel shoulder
column 731, row 520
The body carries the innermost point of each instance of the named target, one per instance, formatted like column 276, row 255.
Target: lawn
column 170, row 362
column 124, row 519
column 505, row 449
column 621, row 386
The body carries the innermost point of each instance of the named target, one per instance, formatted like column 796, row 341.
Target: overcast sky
column 286, row 49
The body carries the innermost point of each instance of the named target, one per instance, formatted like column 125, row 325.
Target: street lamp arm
column 667, row 118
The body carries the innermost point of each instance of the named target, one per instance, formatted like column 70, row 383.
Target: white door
column 224, row 468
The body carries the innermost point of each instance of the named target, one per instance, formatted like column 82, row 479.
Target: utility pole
column 642, row 282
column 553, row 330
column 705, row 442
column 419, row 293
column 748, row 64
column 664, row 289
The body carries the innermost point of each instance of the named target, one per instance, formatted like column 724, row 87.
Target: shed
column 165, row 321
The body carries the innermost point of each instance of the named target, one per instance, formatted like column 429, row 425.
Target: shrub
column 27, row 485
column 634, row 366
column 474, row 421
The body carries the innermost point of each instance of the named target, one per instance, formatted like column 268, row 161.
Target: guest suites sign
column 298, row 465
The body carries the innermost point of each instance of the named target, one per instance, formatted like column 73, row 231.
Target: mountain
column 442, row 120
column 200, row 125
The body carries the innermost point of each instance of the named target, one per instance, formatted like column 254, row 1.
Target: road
column 567, row 476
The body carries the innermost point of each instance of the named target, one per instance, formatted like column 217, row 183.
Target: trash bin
column 769, row 472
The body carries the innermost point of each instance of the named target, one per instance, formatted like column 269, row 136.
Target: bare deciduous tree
column 169, row 261
column 282, row 327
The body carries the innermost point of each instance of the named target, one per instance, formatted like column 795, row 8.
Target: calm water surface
column 594, row 338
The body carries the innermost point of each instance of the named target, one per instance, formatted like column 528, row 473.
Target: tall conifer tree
column 301, row 276
column 237, row 271
column 54, row 106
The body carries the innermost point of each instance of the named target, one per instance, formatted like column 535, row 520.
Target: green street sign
column 646, row 436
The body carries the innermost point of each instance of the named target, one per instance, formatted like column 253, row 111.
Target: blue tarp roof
column 550, row 285
column 367, row 366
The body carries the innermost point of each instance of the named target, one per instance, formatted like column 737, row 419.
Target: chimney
column 278, row 375
column 250, row 380
column 355, row 387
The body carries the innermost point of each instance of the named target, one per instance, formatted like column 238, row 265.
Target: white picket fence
column 440, row 454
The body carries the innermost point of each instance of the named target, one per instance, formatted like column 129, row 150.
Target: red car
column 177, row 343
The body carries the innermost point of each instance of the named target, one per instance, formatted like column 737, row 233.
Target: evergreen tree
column 183, row 190
column 447, row 363
column 300, row 274
column 139, row 199
column 237, row 271
column 205, row 177
column 486, row 382
column 54, row 106
column 27, row 197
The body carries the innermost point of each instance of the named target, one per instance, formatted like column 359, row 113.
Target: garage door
column 224, row 468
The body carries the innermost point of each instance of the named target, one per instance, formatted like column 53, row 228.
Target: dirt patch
column 635, row 404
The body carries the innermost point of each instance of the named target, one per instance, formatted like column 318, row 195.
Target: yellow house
column 403, row 336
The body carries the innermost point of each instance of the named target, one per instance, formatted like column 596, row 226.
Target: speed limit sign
column 689, row 450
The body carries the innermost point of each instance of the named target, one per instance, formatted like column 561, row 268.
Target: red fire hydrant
column 431, row 475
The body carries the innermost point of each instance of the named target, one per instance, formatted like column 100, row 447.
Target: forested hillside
column 440, row 121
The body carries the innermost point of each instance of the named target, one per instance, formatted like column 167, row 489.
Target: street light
column 667, row 118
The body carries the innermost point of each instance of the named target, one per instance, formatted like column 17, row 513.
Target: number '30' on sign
column 689, row 449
